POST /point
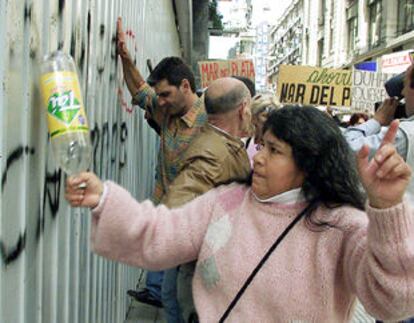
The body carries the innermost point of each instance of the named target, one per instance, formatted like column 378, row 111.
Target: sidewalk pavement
column 143, row 313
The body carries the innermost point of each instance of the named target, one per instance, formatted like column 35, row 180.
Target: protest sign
column 314, row 86
column 367, row 89
column 396, row 62
column 212, row 70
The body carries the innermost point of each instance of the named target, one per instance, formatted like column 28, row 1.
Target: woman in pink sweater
column 339, row 250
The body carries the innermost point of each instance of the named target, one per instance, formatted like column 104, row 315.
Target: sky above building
column 219, row 46
column 276, row 9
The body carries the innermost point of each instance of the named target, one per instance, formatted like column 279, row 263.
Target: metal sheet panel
column 47, row 272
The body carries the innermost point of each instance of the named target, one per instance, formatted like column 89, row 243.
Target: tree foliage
column 213, row 15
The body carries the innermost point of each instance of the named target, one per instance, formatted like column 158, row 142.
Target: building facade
column 261, row 55
column 237, row 21
column 341, row 33
column 286, row 40
column 237, row 15
column 355, row 31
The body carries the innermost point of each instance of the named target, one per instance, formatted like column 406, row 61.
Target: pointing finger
column 362, row 157
column 391, row 133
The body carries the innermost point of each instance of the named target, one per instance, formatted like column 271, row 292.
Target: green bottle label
column 64, row 106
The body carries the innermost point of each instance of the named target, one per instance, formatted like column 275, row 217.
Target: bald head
column 224, row 95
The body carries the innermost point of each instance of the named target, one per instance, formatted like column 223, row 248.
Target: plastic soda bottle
column 66, row 118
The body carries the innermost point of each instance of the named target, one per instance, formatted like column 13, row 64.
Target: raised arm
column 372, row 132
column 142, row 94
column 132, row 76
column 379, row 259
column 139, row 234
column 386, row 176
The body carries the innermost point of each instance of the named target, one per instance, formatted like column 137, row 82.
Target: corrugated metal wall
column 47, row 271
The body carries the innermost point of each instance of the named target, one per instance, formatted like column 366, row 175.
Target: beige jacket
column 213, row 158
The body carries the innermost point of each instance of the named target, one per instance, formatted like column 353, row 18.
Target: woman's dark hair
column 321, row 152
column 355, row 118
column 174, row 70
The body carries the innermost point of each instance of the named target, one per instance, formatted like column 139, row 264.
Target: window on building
column 307, row 47
column 320, row 51
column 405, row 16
column 352, row 22
column 322, row 9
column 375, row 22
column 331, row 25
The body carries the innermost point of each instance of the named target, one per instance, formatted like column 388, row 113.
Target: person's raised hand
column 84, row 189
column 385, row 113
column 386, row 176
column 121, row 41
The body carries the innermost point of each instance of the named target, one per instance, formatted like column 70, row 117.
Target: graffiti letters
column 108, row 143
column 15, row 155
column 8, row 255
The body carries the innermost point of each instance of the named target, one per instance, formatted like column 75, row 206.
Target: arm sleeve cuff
column 370, row 127
column 390, row 225
column 96, row 210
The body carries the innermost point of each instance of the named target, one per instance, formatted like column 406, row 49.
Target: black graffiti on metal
column 40, row 226
column 114, row 142
column 61, row 6
column 104, row 140
column 104, row 146
column 72, row 44
column 124, row 136
column 95, row 137
column 88, row 41
column 51, row 199
column 102, row 31
column 101, row 68
column 107, row 143
column 27, row 12
column 88, row 25
column 51, row 192
column 14, row 156
column 9, row 255
column 114, row 49
column 82, row 56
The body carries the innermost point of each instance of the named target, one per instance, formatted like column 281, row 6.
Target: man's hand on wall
column 121, row 41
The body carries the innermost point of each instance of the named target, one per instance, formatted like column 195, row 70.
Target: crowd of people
column 261, row 212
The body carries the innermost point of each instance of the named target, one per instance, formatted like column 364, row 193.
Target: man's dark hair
column 248, row 82
column 321, row 152
column 226, row 101
column 174, row 70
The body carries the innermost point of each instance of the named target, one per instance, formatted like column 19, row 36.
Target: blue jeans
column 154, row 283
column 169, row 297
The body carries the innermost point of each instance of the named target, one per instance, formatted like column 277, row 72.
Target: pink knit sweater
column 314, row 275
